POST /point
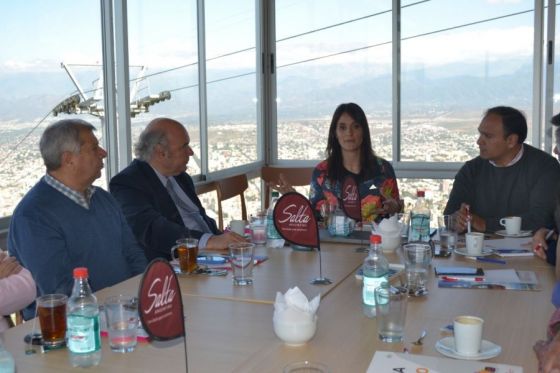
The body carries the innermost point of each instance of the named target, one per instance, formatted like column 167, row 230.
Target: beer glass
column 51, row 309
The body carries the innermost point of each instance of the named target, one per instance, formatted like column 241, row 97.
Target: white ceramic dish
column 488, row 350
column 463, row 251
column 503, row 233
column 295, row 333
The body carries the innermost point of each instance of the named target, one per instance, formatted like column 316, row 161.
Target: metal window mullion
column 549, row 75
column 265, row 84
column 123, row 87
column 109, row 119
column 537, row 73
column 202, row 95
column 396, row 80
column 271, row 75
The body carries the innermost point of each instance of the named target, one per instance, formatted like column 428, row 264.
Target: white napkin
column 294, row 306
column 389, row 225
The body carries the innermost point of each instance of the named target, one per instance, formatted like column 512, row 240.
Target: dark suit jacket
column 150, row 211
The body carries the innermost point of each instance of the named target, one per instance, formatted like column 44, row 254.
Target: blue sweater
column 51, row 235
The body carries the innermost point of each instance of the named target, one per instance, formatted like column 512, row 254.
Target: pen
column 549, row 234
column 488, row 260
column 465, row 278
column 468, row 219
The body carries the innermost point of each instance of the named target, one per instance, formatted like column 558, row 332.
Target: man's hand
column 539, row 244
column 221, row 241
column 464, row 214
column 8, row 266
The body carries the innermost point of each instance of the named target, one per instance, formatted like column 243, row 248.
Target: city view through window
column 453, row 67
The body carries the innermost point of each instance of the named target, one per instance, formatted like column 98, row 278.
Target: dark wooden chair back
column 296, row 176
column 228, row 188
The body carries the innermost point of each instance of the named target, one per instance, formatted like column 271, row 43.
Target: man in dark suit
column 158, row 197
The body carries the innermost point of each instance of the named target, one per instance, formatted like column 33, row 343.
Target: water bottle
column 375, row 272
column 82, row 310
column 420, row 219
column 273, row 238
column 7, row 363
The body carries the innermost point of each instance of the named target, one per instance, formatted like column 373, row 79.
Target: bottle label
column 271, row 231
column 419, row 227
column 83, row 333
column 370, row 284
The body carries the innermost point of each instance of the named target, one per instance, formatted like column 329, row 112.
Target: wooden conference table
column 230, row 328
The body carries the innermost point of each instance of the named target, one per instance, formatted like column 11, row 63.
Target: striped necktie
column 185, row 210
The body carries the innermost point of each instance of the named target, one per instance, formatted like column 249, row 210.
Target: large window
column 36, row 38
column 231, row 83
column 163, row 55
column 459, row 58
column 330, row 52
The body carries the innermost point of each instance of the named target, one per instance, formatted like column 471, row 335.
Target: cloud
column 503, row 1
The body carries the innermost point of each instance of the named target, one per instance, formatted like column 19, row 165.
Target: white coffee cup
column 468, row 334
column 512, row 224
column 474, row 243
column 238, row 226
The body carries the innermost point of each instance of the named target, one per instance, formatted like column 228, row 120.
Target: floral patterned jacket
column 373, row 192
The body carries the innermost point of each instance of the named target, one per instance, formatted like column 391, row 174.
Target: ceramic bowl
column 390, row 242
column 295, row 333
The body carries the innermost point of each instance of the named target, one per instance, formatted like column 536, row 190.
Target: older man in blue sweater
column 64, row 222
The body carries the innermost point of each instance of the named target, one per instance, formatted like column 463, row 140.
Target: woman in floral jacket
column 349, row 152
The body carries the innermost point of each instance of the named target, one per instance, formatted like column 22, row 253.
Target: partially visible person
column 65, row 222
column 548, row 351
column 158, row 197
column 349, row 152
column 508, row 178
column 545, row 239
column 547, row 247
column 548, row 355
column 17, row 288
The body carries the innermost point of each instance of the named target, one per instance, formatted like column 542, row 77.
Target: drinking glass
column 187, row 253
column 404, row 219
column 448, row 234
column 418, row 257
column 390, row 310
column 121, row 313
column 241, row 257
column 51, row 309
column 306, row 367
column 258, row 229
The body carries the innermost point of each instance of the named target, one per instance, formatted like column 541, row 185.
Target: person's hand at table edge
column 283, row 186
column 221, row 241
column 8, row 266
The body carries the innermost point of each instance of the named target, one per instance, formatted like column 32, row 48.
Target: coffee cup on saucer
column 512, row 224
column 468, row 334
column 474, row 242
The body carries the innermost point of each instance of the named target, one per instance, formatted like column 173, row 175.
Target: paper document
column 385, row 361
column 509, row 243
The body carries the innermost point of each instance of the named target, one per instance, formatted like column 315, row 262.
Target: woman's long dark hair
column 368, row 161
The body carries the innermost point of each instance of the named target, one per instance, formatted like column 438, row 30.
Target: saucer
column 503, row 233
column 488, row 350
column 463, row 251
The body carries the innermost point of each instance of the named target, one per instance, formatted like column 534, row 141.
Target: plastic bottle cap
column 80, row 272
column 420, row 193
column 375, row 238
column 275, row 193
